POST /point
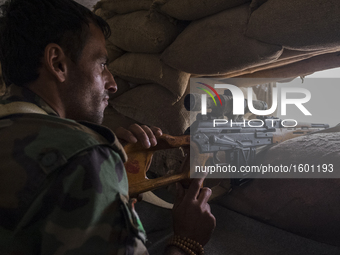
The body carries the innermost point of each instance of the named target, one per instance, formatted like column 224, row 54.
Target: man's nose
column 110, row 83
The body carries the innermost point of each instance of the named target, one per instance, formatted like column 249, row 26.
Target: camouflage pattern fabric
column 63, row 186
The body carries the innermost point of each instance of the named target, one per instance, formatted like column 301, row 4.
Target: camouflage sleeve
column 87, row 209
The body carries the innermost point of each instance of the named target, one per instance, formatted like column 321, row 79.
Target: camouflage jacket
column 63, row 186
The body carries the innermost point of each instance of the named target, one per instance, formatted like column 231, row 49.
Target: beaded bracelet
column 186, row 244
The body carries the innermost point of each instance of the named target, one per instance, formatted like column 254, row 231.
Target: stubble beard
column 84, row 104
column 83, row 111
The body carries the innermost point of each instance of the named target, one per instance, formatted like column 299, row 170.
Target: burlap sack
column 113, row 119
column 142, row 32
column 298, row 25
column 122, row 6
column 147, row 68
column 104, row 13
column 256, row 4
column 122, row 87
column 216, row 45
column 308, row 207
column 2, row 83
column 113, row 51
column 287, row 58
column 194, row 9
column 152, row 104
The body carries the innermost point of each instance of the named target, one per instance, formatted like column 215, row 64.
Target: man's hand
column 136, row 133
column 191, row 213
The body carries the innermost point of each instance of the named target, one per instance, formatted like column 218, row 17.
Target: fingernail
column 147, row 144
column 153, row 142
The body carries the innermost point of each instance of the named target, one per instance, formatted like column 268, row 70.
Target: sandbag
column 122, row 6
column 2, row 83
column 194, row 9
column 216, row 45
column 142, row 105
column 113, row 51
column 308, row 207
column 142, row 32
column 113, row 119
column 104, row 13
column 256, row 4
column 287, row 58
column 147, row 68
column 122, row 87
column 298, row 25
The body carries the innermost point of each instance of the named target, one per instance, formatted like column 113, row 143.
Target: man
column 63, row 187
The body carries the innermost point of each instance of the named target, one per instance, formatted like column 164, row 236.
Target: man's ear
column 55, row 61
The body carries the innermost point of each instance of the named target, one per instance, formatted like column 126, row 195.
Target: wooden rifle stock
column 139, row 158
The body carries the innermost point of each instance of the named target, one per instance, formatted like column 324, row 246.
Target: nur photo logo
column 238, row 99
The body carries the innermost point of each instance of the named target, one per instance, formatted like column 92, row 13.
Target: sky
column 331, row 73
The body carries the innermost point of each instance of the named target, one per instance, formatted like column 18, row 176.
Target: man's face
column 89, row 82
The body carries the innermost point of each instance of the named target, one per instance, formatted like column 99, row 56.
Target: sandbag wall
column 157, row 45
column 151, row 66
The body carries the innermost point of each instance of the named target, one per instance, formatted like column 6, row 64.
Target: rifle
column 207, row 137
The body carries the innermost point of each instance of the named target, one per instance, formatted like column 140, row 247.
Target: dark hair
column 28, row 26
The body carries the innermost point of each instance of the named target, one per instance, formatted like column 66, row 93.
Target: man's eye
column 104, row 64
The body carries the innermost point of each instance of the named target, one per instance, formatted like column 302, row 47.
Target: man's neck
column 48, row 91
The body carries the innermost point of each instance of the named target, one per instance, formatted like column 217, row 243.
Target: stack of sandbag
column 297, row 24
column 307, row 30
column 251, row 37
column 217, row 45
column 149, row 91
column 155, row 47
column 164, row 42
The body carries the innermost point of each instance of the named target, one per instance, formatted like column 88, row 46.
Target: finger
column 194, row 188
column 150, row 134
column 213, row 219
column 125, row 134
column 179, row 194
column 207, row 206
column 210, row 218
column 140, row 134
column 157, row 131
column 204, row 195
column 198, row 175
